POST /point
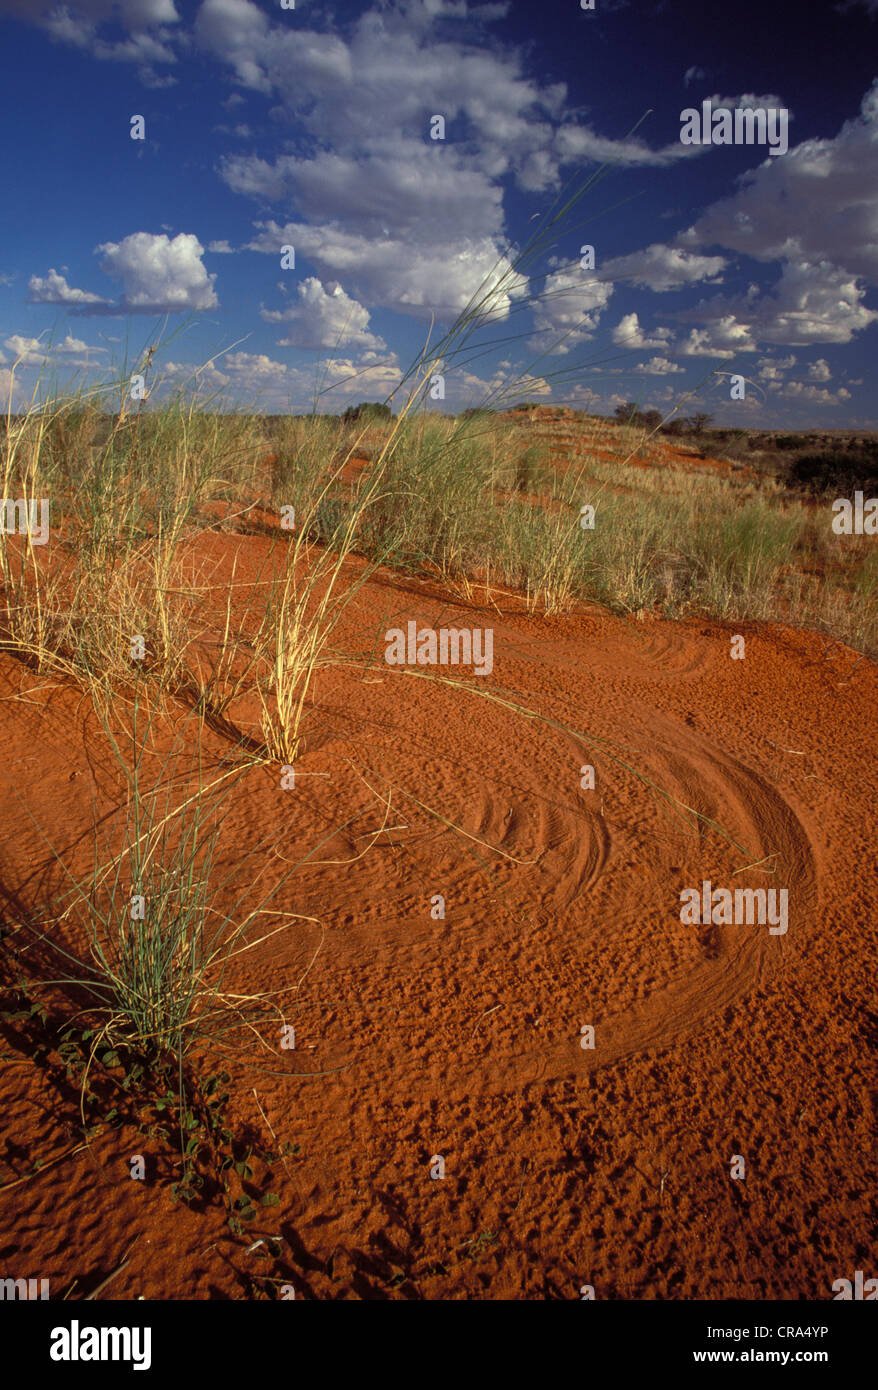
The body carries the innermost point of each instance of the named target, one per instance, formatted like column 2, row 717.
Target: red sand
column 461, row 1037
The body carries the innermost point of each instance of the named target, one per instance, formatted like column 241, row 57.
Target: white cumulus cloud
column 660, row 267
column 324, row 318
column 402, row 221
column 629, row 334
column 819, row 395
column 54, row 289
column 568, row 309
column 658, row 366
column 159, row 273
column 772, row 369
column 788, row 208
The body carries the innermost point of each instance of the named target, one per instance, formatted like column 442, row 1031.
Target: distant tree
column 371, row 410
column 627, row 414
column 674, row 427
column 700, row 423
column 650, row 419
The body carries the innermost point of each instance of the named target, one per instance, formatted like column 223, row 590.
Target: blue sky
column 310, row 127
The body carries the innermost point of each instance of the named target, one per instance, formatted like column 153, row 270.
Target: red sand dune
column 461, row 1037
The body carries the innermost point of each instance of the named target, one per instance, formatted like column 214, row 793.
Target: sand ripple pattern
column 575, row 849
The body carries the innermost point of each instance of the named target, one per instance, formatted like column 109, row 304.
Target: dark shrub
column 834, row 471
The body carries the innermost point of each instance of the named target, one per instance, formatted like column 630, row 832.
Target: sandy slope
column 461, row 1037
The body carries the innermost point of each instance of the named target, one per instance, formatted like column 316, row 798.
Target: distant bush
column 368, row 410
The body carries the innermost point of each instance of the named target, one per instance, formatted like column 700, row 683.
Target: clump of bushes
column 368, row 411
column 834, row 470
